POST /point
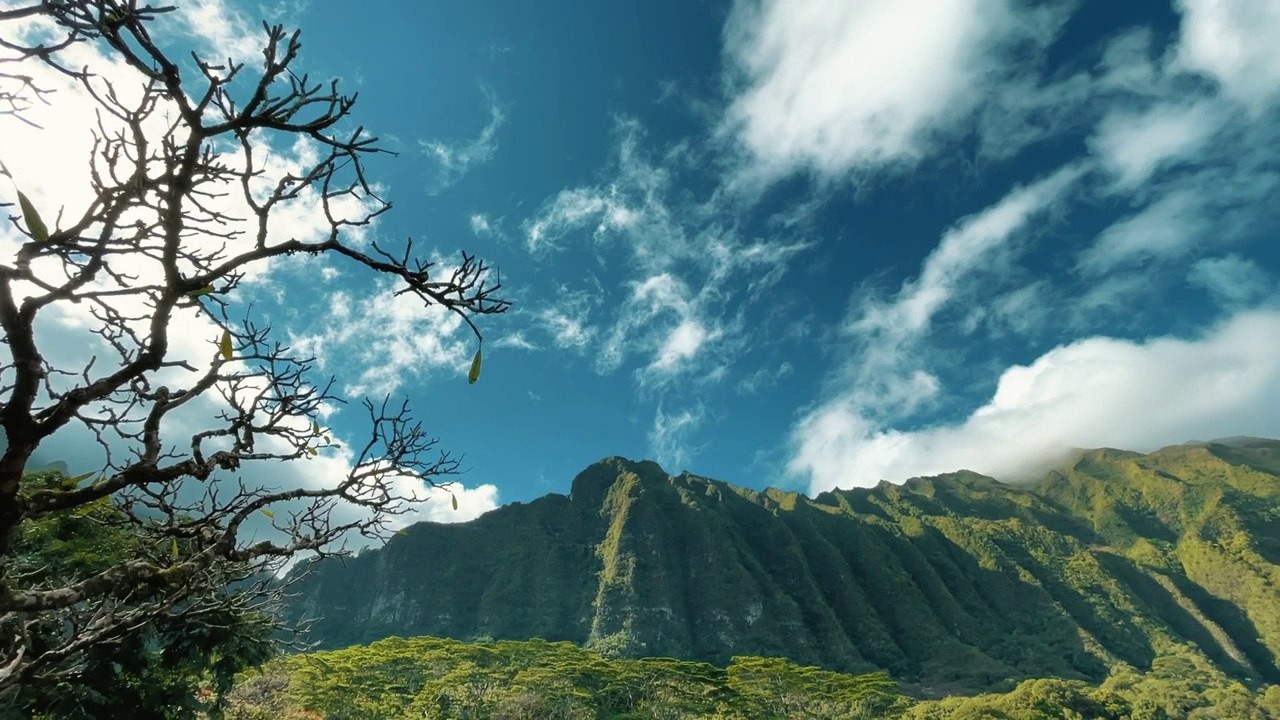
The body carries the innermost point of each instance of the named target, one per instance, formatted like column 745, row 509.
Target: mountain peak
column 592, row 484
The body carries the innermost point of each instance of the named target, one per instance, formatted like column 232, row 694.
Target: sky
column 796, row 243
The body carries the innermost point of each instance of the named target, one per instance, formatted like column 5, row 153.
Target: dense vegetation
column 955, row 584
column 538, row 680
column 172, row 665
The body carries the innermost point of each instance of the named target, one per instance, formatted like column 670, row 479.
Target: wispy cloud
column 670, row 437
column 453, row 159
column 689, row 279
column 566, row 318
column 764, row 378
column 1232, row 280
column 1167, row 227
column 688, row 263
column 516, row 341
column 884, row 373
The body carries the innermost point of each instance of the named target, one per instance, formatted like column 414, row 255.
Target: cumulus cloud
column 1081, row 395
column 1233, row 41
column 828, row 86
column 472, row 503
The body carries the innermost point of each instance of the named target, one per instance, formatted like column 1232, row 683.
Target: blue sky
column 807, row 243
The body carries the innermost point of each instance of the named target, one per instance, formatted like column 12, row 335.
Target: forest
column 433, row 678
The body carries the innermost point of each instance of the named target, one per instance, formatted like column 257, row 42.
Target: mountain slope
column 952, row 582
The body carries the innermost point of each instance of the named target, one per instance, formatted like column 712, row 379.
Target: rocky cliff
column 956, row 580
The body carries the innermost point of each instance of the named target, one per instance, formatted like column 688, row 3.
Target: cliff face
column 954, row 580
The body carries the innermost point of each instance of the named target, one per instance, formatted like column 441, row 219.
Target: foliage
column 539, row 680
column 432, row 678
column 187, row 201
column 175, row 665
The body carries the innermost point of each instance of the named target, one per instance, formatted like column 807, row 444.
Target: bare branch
column 183, row 201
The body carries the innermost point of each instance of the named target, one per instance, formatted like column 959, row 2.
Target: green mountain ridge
column 950, row 583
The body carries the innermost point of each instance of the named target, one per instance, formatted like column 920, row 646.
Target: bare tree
column 159, row 248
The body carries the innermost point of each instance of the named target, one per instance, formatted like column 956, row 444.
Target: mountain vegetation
column 952, row 584
column 539, row 680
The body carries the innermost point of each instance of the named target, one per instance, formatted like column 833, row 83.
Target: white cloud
column 682, row 344
column 630, row 204
column 963, row 249
column 669, row 437
column 691, row 273
column 516, row 341
column 222, row 31
column 391, row 338
column 472, row 503
column 884, row 372
column 1134, row 145
column 1233, row 41
column 830, row 85
column 575, row 208
column 1166, row 228
column 566, row 330
column 454, row 160
column 659, row 318
column 481, row 225
column 1232, row 280
column 763, row 378
column 1080, row 395
column 567, row 318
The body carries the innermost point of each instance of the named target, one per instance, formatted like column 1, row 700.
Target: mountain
column 949, row 583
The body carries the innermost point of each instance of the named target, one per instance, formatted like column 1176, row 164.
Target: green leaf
column 311, row 451
column 175, row 547
column 268, row 513
column 207, row 289
column 225, row 345
column 315, row 428
column 38, row 229
column 455, row 500
column 78, row 479
column 402, row 531
column 474, row 375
